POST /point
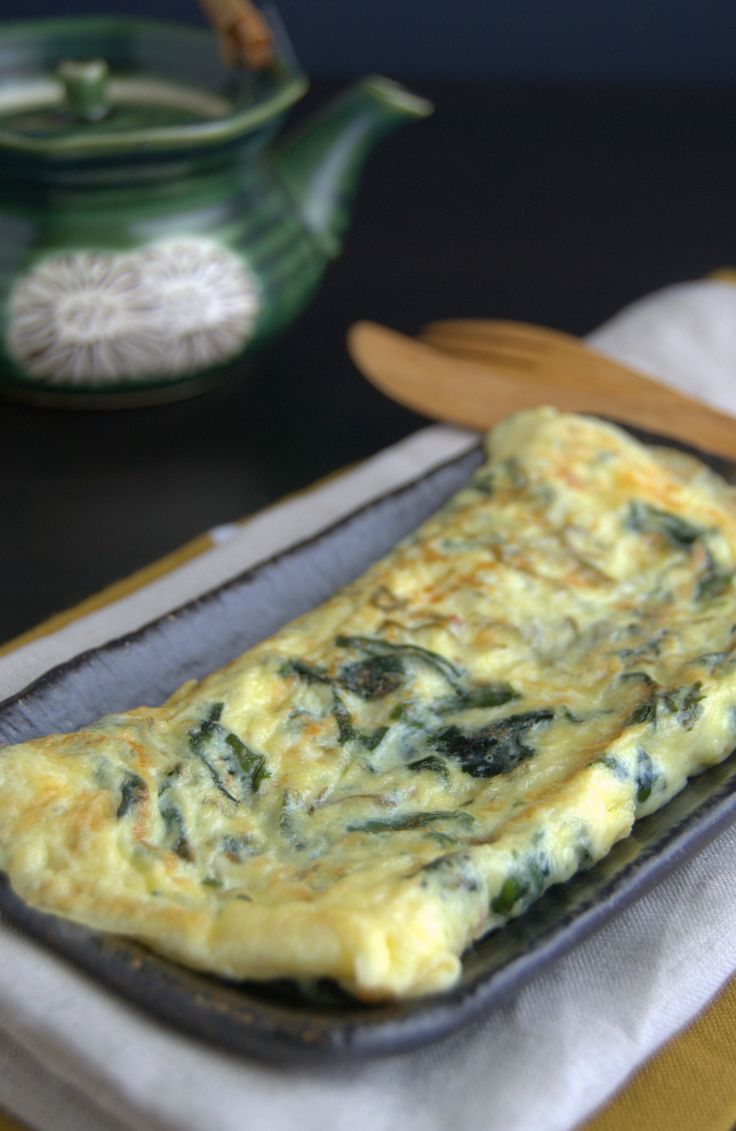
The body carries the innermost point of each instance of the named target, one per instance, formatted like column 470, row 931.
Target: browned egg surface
column 483, row 713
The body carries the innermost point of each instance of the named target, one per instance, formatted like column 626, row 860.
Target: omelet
column 483, row 713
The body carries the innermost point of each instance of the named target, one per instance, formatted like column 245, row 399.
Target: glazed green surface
column 174, row 52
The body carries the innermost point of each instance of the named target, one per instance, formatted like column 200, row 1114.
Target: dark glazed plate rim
column 280, row 1022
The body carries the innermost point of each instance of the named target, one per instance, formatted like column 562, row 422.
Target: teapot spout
column 322, row 163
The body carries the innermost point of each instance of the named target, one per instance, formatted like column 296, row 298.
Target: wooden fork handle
column 472, row 394
column 483, row 330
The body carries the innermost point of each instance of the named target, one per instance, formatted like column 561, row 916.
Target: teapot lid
column 106, row 85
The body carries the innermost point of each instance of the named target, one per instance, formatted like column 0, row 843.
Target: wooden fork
column 474, row 373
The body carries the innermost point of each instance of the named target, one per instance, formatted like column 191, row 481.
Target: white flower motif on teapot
column 91, row 317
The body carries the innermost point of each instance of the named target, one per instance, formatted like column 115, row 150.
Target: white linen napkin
column 74, row 1057
column 685, row 335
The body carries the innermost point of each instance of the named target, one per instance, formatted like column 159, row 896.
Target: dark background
column 582, row 153
column 629, row 41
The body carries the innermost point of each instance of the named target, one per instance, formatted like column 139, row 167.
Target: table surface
column 546, row 204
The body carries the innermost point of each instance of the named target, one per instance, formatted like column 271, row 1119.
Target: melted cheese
column 484, row 712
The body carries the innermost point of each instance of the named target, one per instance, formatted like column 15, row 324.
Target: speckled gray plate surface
column 280, row 1021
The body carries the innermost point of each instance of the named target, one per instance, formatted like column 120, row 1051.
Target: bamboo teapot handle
column 242, row 31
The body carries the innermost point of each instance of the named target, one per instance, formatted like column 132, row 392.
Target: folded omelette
column 483, row 713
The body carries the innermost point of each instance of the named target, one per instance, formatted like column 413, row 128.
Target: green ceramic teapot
column 150, row 236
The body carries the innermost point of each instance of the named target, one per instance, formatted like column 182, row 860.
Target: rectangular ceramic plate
column 282, row 1021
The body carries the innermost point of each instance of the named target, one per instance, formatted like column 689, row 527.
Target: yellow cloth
column 690, row 1085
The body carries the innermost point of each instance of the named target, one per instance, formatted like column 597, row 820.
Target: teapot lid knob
column 85, row 88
